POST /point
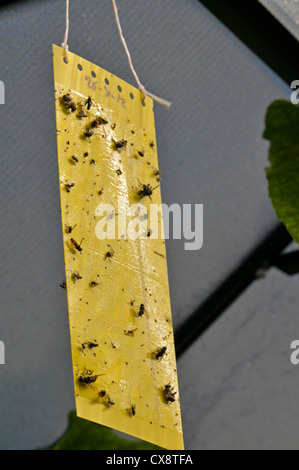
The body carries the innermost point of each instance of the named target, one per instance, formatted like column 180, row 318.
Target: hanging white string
column 64, row 44
column 141, row 87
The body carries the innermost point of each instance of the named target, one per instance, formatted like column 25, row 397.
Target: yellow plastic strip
column 121, row 331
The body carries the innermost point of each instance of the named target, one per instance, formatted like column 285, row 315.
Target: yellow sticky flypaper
column 123, row 354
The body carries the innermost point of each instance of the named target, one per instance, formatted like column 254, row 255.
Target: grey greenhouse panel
column 211, row 151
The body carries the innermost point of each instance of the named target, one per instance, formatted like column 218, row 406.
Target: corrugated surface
column 209, row 145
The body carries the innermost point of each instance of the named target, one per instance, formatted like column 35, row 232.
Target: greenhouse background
column 238, row 387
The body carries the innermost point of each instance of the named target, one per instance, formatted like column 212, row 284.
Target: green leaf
column 282, row 130
column 86, row 435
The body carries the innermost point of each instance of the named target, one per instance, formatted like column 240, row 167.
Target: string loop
column 64, row 44
column 141, row 87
